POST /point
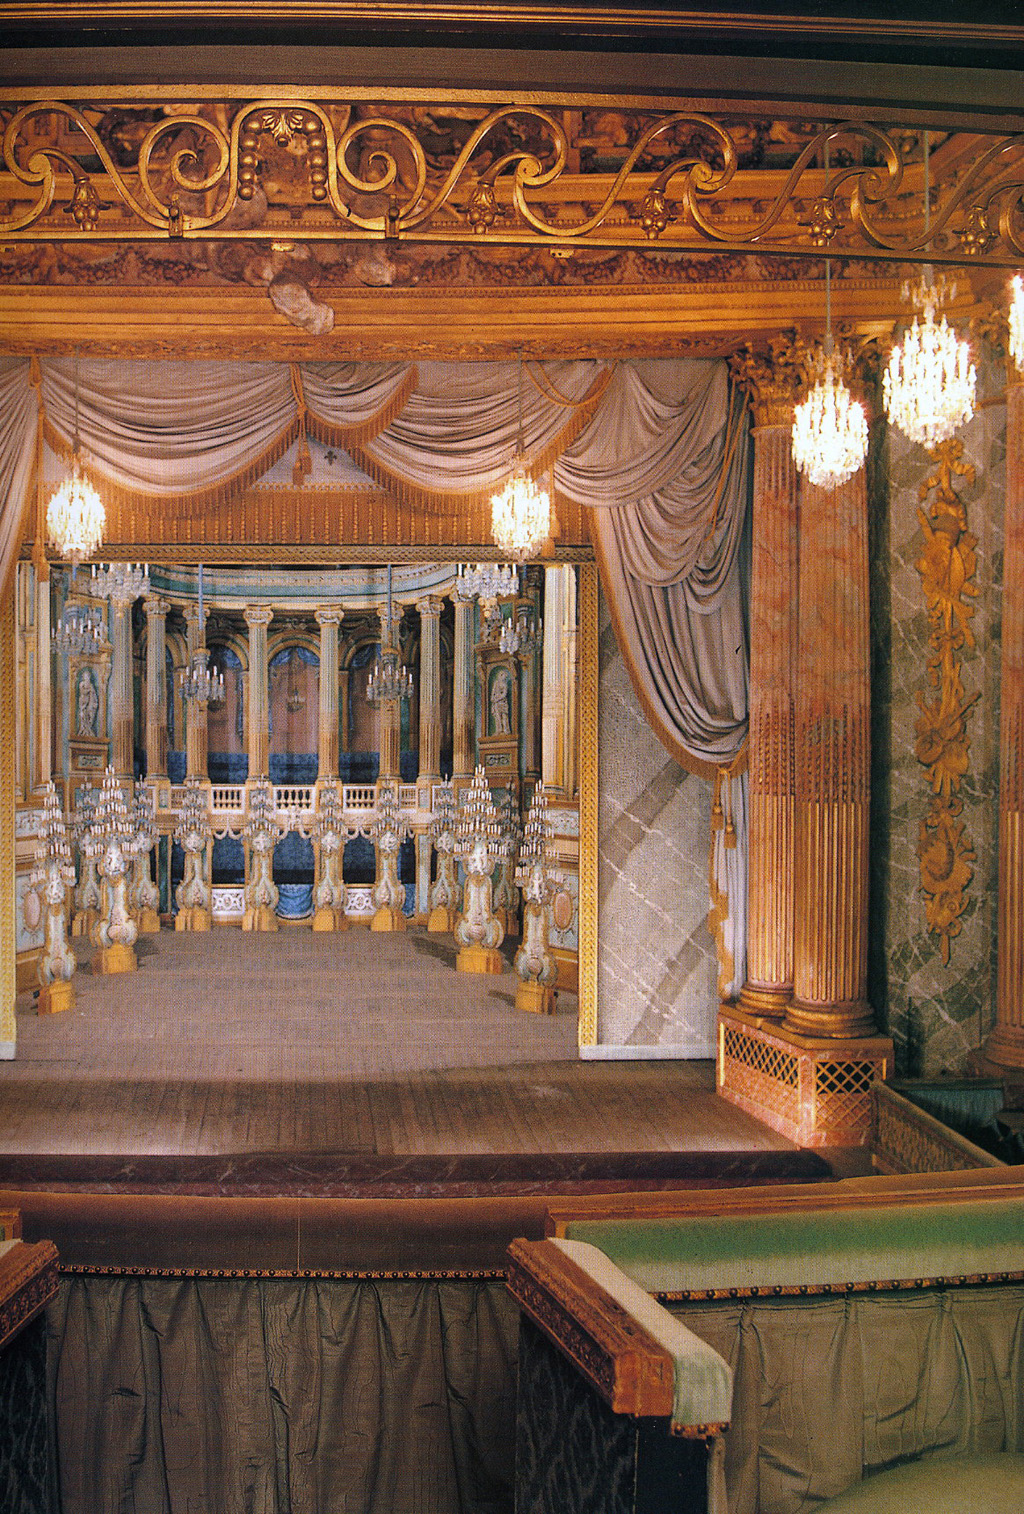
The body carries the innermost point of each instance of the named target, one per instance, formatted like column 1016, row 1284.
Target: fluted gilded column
column 832, row 759
column 463, row 712
column 258, row 619
column 121, row 688
column 44, row 690
column 430, row 688
column 531, row 763
column 390, row 709
column 196, row 723
column 1005, row 1045
column 773, row 384
column 559, row 688
column 156, row 686
column 328, row 620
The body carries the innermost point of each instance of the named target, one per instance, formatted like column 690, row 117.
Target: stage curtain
column 827, row 1390
column 19, row 412
column 270, row 1396
column 665, row 469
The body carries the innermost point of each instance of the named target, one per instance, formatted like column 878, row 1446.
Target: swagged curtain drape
column 654, row 449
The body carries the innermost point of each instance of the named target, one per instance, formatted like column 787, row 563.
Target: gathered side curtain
column 19, row 419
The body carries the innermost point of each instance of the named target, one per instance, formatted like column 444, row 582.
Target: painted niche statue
column 534, row 965
column 51, row 878
column 194, row 835
column 444, row 891
column 261, row 831
column 85, row 916
column 88, row 704
column 505, row 898
column 388, row 831
column 112, row 840
column 501, row 720
column 480, row 844
column 144, row 896
column 329, row 833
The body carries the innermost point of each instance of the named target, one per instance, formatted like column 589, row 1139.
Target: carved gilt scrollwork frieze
column 477, row 172
column 947, row 565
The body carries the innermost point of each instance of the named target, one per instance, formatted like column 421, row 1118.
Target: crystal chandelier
column 199, row 681
column 520, row 512
column 929, row 384
column 75, row 517
column 523, row 635
column 389, row 681
column 486, row 581
column 830, row 429
column 79, row 632
column 1016, row 321
column 119, row 580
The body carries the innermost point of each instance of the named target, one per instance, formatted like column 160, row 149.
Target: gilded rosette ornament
column 947, row 565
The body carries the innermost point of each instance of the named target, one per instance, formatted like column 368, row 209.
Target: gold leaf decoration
column 947, row 565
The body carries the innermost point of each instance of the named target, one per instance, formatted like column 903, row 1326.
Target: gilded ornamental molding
column 159, row 165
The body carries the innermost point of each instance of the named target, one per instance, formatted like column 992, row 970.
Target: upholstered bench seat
column 991, row 1484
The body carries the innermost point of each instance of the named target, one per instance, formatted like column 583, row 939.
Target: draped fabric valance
column 654, row 449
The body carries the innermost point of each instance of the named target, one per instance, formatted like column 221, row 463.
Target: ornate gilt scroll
column 481, row 170
column 947, row 565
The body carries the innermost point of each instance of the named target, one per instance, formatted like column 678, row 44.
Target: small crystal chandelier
column 119, row 580
column 520, row 512
column 389, row 681
column 1016, row 321
column 199, row 681
column 75, row 517
column 929, row 385
column 79, row 631
column 830, row 429
column 521, row 636
column 486, row 581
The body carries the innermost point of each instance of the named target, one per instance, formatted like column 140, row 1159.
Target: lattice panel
column 764, row 1074
column 842, row 1092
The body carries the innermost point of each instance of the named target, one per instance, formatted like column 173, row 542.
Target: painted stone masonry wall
column 936, row 567
column 657, row 968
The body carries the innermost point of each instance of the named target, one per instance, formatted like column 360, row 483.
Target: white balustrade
column 359, row 796
column 227, row 796
column 293, row 796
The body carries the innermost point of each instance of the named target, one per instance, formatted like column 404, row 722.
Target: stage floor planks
column 360, row 1043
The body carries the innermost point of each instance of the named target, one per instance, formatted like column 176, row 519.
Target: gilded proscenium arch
column 523, row 173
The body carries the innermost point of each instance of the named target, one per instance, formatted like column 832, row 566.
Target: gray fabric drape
column 827, row 1390
column 282, row 1396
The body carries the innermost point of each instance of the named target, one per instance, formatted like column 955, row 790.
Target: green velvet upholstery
column 813, row 1247
column 992, row 1484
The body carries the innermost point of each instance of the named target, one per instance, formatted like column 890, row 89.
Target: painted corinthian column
column 121, row 687
column 430, row 688
column 773, row 384
column 258, row 619
column 832, row 760
column 328, row 620
column 1005, row 1045
column 196, row 718
column 463, row 715
column 156, row 686
column 390, row 709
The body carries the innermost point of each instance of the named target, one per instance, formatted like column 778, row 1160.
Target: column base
column 441, row 921
column 815, row 1090
column 843, row 1022
column 327, row 918
column 479, row 959
column 767, row 1000
column 115, row 959
column 192, row 917
column 260, row 918
column 149, row 921
column 389, row 918
column 55, row 997
column 535, row 998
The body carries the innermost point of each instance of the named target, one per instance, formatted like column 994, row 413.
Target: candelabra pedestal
column 535, row 998
column 192, row 917
column 441, row 920
column 55, row 997
column 479, row 959
column 115, row 958
column 329, row 917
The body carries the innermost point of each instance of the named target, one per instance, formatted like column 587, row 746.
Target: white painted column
column 195, row 709
column 156, row 686
column 430, row 689
column 44, row 694
column 328, row 620
column 258, row 620
column 121, row 688
column 463, row 712
column 390, row 709
column 558, row 689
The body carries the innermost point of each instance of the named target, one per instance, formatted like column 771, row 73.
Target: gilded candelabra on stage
column 444, row 891
column 328, row 832
column 144, row 896
column 53, row 874
column 113, row 841
column 535, row 967
column 389, row 830
column 261, row 831
column 478, row 931
column 87, row 898
column 194, row 835
column 505, row 898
